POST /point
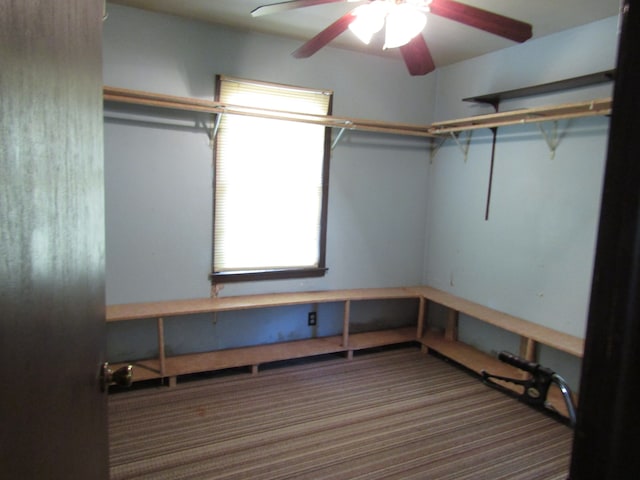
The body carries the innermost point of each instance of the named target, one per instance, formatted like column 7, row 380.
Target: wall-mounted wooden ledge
column 605, row 76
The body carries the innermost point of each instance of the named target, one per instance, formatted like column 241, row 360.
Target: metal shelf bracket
column 436, row 144
column 553, row 137
column 338, row 137
column 214, row 129
column 462, row 145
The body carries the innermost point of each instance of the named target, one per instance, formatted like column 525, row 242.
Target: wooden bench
column 445, row 343
column 171, row 367
column 531, row 335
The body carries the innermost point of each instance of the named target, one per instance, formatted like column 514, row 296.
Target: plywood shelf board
column 249, row 356
column 137, row 311
column 468, row 356
column 261, row 354
column 358, row 341
column 550, row 87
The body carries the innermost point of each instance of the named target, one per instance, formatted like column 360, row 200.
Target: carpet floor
column 396, row 414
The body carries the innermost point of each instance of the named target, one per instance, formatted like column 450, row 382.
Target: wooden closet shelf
column 438, row 129
column 136, row 97
column 590, row 108
column 604, row 76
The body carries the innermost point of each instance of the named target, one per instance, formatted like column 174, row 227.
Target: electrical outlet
column 312, row 320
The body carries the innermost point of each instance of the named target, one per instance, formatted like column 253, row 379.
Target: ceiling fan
column 405, row 18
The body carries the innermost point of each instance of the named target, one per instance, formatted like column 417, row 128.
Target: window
column 270, row 184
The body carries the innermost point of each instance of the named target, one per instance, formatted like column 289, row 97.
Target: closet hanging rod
column 121, row 95
column 597, row 107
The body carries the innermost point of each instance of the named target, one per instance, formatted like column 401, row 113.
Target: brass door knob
column 122, row 376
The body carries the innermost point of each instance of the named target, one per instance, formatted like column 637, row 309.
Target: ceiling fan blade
column 417, row 56
column 325, row 36
column 290, row 5
column 484, row 20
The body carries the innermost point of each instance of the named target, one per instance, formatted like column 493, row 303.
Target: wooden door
column 605, row 443
column 53, row 422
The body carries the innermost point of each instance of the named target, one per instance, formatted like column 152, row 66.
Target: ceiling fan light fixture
column 369, row 20
column 404, row 22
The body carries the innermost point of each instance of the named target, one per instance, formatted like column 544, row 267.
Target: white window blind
column 269, row 177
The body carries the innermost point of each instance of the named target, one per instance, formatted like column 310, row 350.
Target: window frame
column 279, row 273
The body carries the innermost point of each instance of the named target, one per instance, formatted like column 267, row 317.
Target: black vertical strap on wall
column 608, row 425
column 494, row 131
column 495, row 103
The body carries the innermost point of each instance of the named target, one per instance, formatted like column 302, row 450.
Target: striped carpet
column 395, row 414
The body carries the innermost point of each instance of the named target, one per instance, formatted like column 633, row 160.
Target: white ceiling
column 448, row 41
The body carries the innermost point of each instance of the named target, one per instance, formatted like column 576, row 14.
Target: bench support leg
column 345, row 323
column 451, row 330
column 422, row 310
column 528, row 349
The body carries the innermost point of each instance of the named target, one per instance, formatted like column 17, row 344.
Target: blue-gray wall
column 159, row 176
column 533, row 257
column 396, row 218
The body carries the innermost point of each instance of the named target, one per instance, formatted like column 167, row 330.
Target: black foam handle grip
column 518, row 362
